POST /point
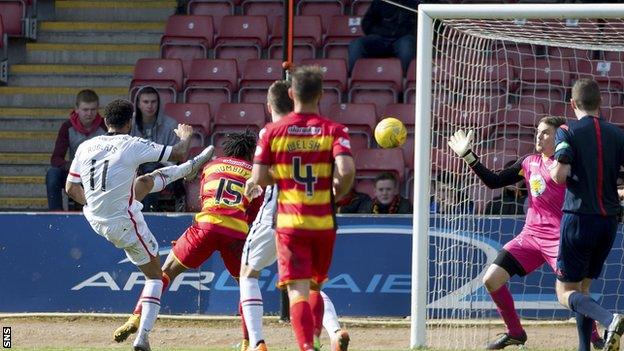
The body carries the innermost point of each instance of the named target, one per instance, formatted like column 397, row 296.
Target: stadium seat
column 540, row 74
column 241, row 38
column 326, row 9
column 13, row 13
column 519, row 121
column 366, row 186
column 444, row 159
column 360, row 119
column 512, row 53
column 405, row 113
column 235, row 118
column 409, row 88
column 306, row 39
column 613, row 56
column 187, row 38
column 165, row 75
column 4, row 54
column 370, row 162
column 615, row 115
column 271, row 9
column 359, row 7
column 573, row 56
column 476, row 113
column 196, row 115
column 211, row 81
column 334, row 81
column 341, row 32
column 608, row 74
column 257, row 76
column 376, row 80
column 215, row 8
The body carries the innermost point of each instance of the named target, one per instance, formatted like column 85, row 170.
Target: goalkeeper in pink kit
column 538, row 242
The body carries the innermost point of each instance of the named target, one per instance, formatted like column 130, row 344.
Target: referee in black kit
column 589, row 152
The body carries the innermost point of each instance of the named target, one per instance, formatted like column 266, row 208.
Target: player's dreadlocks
column 240, row 145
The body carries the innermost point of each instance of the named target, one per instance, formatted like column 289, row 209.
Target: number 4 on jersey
column 308, row 179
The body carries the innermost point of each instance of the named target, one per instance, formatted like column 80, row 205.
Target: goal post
column 456, row 67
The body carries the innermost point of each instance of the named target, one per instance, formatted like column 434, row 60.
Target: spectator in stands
column 352, row 202
column 510, row 202
column 84, row 123
column 389, row 32
column 387, row 199
column 151, row 123
column 448, row 197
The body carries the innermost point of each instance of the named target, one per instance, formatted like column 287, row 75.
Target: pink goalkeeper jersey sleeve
column 545, row 197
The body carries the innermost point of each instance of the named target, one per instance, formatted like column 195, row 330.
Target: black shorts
column 585, row 243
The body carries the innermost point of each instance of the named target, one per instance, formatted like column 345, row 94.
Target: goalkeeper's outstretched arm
column 461, row 144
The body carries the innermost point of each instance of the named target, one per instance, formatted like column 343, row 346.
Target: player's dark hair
column 553, row 121
column 240, row 145
column 87, row 96
column 118, row 112
column 386, row 176
column 278, row 97
column 307, row 83
column 586, row 94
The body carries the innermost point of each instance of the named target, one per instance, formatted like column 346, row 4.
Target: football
column 390, row 133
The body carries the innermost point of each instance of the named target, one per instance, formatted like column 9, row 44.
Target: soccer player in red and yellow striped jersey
column 223, row 222
column 311, row 162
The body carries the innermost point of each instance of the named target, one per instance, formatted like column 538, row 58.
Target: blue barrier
column 56, row 263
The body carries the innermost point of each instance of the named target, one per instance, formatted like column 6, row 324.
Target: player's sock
column 243, row 324
column 586, row 306
column 595, row 335
column 302, row 323
column 584, row 328
column 150, row 298
column 317, row 306
column 330, row 318
column 139, row 306
column 253, row 309
column 163, row 176
column 507, row 310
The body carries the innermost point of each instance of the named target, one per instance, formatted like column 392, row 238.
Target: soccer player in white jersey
column 538, row 242
column 102, row 178
column 260, row 250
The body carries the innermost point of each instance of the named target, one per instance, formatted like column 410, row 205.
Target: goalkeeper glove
column 461, row 144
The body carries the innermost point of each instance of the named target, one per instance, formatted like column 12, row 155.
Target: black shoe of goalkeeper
column 614, row 333
column 505, row 340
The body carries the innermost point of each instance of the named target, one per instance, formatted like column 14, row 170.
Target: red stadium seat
column 613, row 56
column 166, row 75
column 341, row 32
column 409, row 90
column 366, row 186
column 241, row 38
column 538, row 74
column 187, row 38
column 444, row 159
column 370, row 162
column 615, row 115
column 4, row 54
column 271, row 9
column 512, row 53
column 359, row 7
column 236, row 118
column 326, row 9
column 519, row 121
column 257, row 77
column 360, row 119
column 211, row 81
column 573, row 56
column 494, row 75
column 13, row 15
column 196, row 115
column 306, row 39
column 608, row 74
column 376, row 80
column 334, row 80
column 215, row 8
column 405, row 113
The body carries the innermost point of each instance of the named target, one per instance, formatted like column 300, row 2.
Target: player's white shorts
column 130, row 234
column 260, row 251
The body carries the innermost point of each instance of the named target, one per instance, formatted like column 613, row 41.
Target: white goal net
column 498, row 77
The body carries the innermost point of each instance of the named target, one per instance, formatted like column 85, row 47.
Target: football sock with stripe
column 586, row 306
column 584, row 327
column 253, row 309
column 139, row 306
column 317, row 306
column 330, row 318
column 163, row 176
column 150, row 299
column 507, row 310
column 243, row 323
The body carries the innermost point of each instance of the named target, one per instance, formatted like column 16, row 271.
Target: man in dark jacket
column 387, row 198
column 389, row 32
column 84, row 123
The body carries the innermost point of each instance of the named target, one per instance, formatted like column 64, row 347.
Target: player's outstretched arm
column 179, row 152
column 344, row 174
column 76, row 192
column 461, row 144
